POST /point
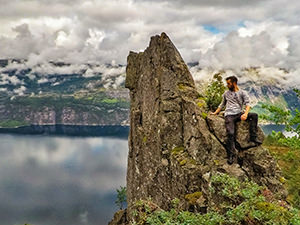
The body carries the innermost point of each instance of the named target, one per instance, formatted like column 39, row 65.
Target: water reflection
column 60, row 180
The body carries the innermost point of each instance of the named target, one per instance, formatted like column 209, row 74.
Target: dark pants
column 230, row 124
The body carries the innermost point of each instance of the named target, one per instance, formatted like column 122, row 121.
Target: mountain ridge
column 93, row 84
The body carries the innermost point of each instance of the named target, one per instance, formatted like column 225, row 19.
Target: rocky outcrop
column 174, row 147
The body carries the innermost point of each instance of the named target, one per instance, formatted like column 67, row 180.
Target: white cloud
column 294, row 78
column 14, row 80
column 89, row 73
column 4, row 82
column 119, row 80
column 20, row 90
column 49, row 68
column 6, row 79
column 259, row 76
column 108, row 83
column 43, row 80
column 218, row 34
column 256, row 44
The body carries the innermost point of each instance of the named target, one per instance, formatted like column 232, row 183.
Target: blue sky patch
column 212, row 29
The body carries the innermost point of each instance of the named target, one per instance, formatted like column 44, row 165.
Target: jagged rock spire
column 174, row 148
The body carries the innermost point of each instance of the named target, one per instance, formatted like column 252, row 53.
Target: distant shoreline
column 70, row 130
column 93, row 130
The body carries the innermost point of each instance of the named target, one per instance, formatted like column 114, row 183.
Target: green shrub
column 213, row 92
column 243, row 203
column 121, row 197
column 290, row 119
column 274, row 139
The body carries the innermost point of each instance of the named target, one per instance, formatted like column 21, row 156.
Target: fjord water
column 52, row 180
column 62, row 180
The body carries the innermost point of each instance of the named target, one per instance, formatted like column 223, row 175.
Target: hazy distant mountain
column 86, row 94
column 59, row 93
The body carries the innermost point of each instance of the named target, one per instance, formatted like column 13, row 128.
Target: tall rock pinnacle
column 174, row 147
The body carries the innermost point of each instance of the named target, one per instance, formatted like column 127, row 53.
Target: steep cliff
column 174, row 147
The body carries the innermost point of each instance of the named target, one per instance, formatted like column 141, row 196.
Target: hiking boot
column 255, row 140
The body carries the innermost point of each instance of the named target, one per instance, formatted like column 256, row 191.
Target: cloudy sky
column 217, row 33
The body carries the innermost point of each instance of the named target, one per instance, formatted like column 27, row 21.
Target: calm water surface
column 50, row 180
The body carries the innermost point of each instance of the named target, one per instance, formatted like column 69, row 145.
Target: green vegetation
column 177, row 150
column 286, row 149
column 13, row 123
column 121, row 197
column 289, row 160
column 183, row 157
column 241, row 202
column 278, row 101
column 213, row 92
column 204, row 115
column 182, row 86
column 144, row 139
column 59, row 101
column 110, row 100
column 201, row 104
column 193, row 197
column 183, row 162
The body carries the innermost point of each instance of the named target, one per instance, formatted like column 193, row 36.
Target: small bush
column 121, row 197
column 213, row 93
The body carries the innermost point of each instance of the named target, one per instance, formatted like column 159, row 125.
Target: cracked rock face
column 174, row 148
